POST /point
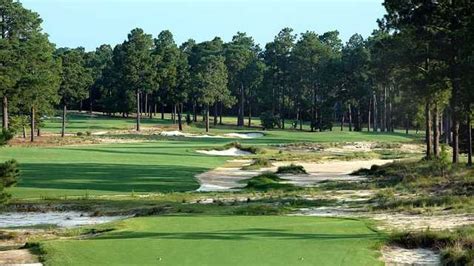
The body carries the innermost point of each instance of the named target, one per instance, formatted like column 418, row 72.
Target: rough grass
column 291, row 169
column 456, row 247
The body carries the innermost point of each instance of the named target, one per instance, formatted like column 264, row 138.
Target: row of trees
column 415, row 71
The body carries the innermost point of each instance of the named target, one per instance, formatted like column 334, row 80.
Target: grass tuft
column 291, row 169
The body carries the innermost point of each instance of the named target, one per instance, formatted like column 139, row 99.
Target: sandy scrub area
column 60, row 219
column 228, row 176
column 19, row 257
column 397, row 256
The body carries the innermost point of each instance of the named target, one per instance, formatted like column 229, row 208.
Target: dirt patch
column 18, row 257
column 397, row 256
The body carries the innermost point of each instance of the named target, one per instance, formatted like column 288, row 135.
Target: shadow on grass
column 245, row 234
column 110, row 177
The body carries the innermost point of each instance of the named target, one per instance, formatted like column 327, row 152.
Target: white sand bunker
column 227, row 178
column 395, row 256
column 229, row 152
column 245, row 135
column 61, row 219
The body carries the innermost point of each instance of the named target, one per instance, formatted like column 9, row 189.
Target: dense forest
column 414, row 72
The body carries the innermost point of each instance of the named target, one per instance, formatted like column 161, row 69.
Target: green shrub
column 9, row 175
column 5, row 136
column 79, row 134
column 257, row 164
column 269, row 120
column 291, row 169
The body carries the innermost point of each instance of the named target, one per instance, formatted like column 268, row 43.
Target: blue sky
column 89, row 23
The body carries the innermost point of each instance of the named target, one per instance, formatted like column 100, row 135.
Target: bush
column 5, row 136
column 291, row 169
column 79, row 134
column 257, row 164
column 9, row 174
column 269, row 121
column 267, row 181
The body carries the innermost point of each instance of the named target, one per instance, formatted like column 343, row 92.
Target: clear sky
column 89, row 23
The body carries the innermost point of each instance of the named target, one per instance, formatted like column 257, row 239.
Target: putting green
column 236, row 240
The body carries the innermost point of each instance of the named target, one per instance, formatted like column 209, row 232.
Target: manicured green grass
column 226, row 240
column 161, row 166
column 84, row 122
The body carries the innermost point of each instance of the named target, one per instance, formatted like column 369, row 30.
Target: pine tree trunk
column 32, row 124
column 436, row 131
column 63, row 126
column 194, row 112
column 455, row 141
column 5, row 112
column 342, row 120
column 38, row 132
column 138, row 111
column 207, row 118
column 406, row 124
column 447, row 128
column 162, row 111
column 220, row 113
column 215, row 114
column 428, row 137
column 368, row 115
column 250, row 115
column 469, row 139
column 375, row 128
column 180, row 122
column 384, row 109
column 350, row 117
column 145, row 106
column 240, row 121
column 174, row 113
column 24, row 132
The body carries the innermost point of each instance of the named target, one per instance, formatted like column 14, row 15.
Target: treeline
column 414, row 72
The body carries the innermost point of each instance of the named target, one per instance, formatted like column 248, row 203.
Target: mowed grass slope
column 230, row 240
column 161, row 166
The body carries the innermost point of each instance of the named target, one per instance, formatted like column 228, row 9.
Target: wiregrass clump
column 291, row 169
column 257, row 164
column 267, row 181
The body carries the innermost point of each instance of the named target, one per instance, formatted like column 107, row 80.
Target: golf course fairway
column 223, row 240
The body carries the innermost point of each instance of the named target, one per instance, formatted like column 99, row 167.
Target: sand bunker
column 244, row 135
column 61, row 219
column 227, row 178
column 229, row 152
column 400, row 256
